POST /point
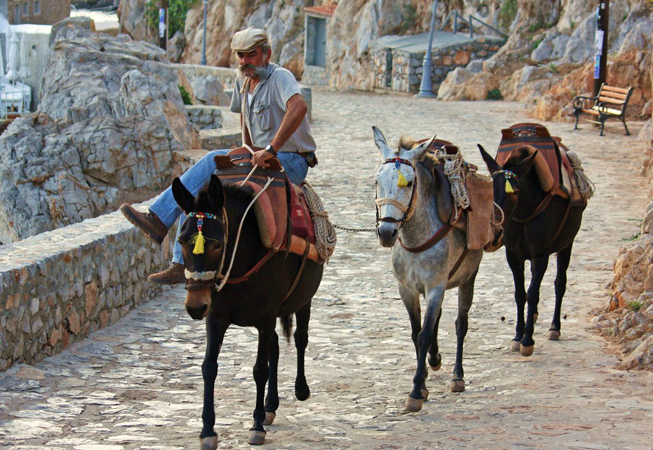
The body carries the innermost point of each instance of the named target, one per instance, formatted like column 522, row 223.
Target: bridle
column 406, row 210
column 204, row 279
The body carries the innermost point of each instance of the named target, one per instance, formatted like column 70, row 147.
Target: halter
column 207, row 276
column 407, row 210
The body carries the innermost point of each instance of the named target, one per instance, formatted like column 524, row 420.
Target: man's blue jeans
column 166, row 209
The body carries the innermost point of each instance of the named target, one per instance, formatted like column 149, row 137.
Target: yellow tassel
column 509, row 189
column 402, row 180
column 199, row 244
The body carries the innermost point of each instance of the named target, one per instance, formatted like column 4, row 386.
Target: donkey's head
column 396, row 183
column 506, row 178
column 203, row 240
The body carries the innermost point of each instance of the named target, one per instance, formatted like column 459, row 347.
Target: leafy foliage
column 494, row 94
column 507, row 13
column 177, row 10
column 185, row 96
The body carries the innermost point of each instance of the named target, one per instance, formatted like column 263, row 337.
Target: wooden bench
column 611, row 103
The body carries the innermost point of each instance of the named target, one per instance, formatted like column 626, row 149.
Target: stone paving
column 137, row 384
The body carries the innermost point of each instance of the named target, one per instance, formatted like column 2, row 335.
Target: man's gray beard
column 259, row 72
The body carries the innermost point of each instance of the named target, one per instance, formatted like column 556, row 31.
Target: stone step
column 220, row 138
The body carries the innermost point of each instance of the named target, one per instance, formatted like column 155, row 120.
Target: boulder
column 110, row 118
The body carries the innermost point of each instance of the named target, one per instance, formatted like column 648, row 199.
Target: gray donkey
column 432, row 256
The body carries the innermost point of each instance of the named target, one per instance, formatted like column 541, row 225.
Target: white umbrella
column 13, row 62
column 24, row 71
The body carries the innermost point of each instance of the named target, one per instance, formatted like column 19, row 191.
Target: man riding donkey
column 274, row 124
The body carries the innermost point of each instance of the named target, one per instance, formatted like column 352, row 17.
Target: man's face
column 248, row 62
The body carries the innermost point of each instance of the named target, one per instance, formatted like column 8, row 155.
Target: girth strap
column 437, row 237
column 299, row 272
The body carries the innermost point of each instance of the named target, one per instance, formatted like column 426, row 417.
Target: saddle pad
column 480, row 192
column 281, row 211
column 539, row 138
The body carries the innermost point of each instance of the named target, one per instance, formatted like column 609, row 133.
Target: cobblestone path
column 137, row 384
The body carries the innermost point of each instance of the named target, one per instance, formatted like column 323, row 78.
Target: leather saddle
column 551, row 164
column 281, row 211
column 475, row 220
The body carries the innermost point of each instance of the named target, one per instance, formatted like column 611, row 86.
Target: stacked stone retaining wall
column 400, row 70
column 58, row 287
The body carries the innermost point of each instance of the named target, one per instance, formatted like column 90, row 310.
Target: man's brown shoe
column 172, row 275
column 148, row 222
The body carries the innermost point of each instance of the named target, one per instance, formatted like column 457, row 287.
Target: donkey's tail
column 286, row 323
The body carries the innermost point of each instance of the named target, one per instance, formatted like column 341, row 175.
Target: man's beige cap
column 247, row 40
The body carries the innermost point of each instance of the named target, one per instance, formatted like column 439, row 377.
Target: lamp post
column 426, row 87
column 203, row 62
column 601, row 38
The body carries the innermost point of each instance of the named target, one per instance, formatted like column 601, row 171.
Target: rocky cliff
column 109, row 121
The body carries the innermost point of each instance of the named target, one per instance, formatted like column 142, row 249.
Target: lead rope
column 585, row 186
column 240, row 227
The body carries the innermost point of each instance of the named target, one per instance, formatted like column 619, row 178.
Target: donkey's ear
column 417, row 152
column 216, row 193
column 491, row 164
column 183, row 197
column 379, row 138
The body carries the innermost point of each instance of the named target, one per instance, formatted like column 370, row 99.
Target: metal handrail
column 470, row 23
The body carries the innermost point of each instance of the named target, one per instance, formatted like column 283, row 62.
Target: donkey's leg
column 261, row 373
column 435, row 359
column 538, row 268
column 272, row 397
column 411, row 302
column 302, row 392
column 517, row 268
column 215, row 330
column 564, row 256
column 465, row 298
column 434, row 299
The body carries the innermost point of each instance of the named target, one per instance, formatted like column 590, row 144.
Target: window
column 16, row 13
column 25, row 9
column 37, row 7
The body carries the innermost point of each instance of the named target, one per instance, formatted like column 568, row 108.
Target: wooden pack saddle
column 552, row 165
column 283, row 217
column 475, row 220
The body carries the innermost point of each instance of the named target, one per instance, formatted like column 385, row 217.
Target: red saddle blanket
column 552, row 165
column 282, row 214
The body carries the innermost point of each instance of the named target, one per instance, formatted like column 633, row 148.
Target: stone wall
column 315, row 76
column 402, row 71
column 58, row 287
column 204, row 117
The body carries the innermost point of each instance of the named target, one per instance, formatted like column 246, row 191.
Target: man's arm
column 295, row 111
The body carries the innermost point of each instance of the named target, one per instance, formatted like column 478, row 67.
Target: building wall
column 40, row 12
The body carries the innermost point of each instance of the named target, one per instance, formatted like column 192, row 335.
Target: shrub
column 507, row 13
column 494, row 94
column 185, row 96
column 177, row 10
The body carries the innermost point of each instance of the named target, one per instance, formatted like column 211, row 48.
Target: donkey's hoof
column 256, row 437
column 535, row 316
column 514, row 346
column 554, row 335
column 425, row 394
column 413, row 404
column 437, row 364
column 269, row 418
column 302, row 394
column 209, row 443
column 457, row 385
column 526, row 350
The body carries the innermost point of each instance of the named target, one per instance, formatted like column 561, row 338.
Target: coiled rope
column 454, row 169
column 585, row 186
column 325, row 233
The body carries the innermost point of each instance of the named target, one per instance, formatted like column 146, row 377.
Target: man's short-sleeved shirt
column 268, row 108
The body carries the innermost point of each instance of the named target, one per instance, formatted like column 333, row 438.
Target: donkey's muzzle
column 387, row 233
column 198, row 303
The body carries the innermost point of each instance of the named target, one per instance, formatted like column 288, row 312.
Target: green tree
column 177, row 10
